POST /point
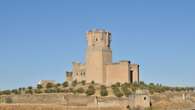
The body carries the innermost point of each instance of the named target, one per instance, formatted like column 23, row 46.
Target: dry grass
column 50, row 107
column 171, row 100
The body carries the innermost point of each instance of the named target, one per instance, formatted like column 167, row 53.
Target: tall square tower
column 98, row 55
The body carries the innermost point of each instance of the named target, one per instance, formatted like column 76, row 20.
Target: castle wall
column 135, row 71
column 118, row 72
column 79, row 71
column 94, row 66
column 98, row 65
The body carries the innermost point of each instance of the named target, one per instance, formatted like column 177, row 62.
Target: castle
column 98, row 64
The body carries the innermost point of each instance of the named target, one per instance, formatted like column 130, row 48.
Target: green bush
column 90, row 91
column 6, row 92
column 29, row 91
column 38, row 91
column 15, row 91
column 50, row 90
column 117, row 92
column 39, row 86
column 118, row 84
column 58, row 90
column 93, row 82
column 29, row 87
column 113, row 86
column 8, row 100
column 103, row 91
column 20, row 89
column 74, row 83
column 70, row 90
column 80, row 90
column 83, row 82
column 65, row 84
column 126, row 90
column 58, row 85
column 49, row 85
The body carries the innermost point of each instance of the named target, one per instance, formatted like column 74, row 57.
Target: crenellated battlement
column 98, row 38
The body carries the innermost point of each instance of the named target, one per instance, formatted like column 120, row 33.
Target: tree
column 50, row 90
column 38, row 91
column 90, row 91
column 65, row 84
column 83, row 82
column 103, row 91
column 74, row 83
column 58, row 90
column 30, row 87
column 39, row 86
column 6, row 92
column 118, row 84
column 15, row 91
column 70, row 89
column 58, row 84
column 80, row 90
column 8, row 100
column 141, row 83
column 126, row 90
column 20, row 89
column 93, row 82
column 29, row 91
column 117, row 92
column 49, row 85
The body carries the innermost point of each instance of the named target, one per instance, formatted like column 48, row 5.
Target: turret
column 98, row 38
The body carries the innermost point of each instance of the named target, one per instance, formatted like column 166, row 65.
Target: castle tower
column 98, row 54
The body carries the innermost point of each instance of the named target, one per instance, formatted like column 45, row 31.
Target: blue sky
column 39, row 39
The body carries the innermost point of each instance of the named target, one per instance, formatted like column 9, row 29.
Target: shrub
column 30, row 87
column 83, row 82
column 70, row 90
column 58, row 85
column 74, row 83
column 8, row 100
column 80, row 90
column 23, row 88
column 117, row 92
column 141, row 83
column 6, row 92
column 65, row 84
column 90, row 91
column 93, row 82
column 38, row 91
column 103, row 91
column 20, row 89
column 113, row 86
column 29, row 91
column 126, row 91
column 15, row 91
column 118, row 84
column 39, row 86
column 50, row 90
column 63, row 90
column 49, row 85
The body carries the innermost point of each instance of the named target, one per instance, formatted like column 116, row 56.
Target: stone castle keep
column 98, row 64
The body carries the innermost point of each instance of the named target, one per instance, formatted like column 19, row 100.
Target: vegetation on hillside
column 75, row 87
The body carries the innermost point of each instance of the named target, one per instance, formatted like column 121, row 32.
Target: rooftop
column 97, row 30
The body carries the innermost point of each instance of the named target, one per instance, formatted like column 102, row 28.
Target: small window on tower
column 96, row 39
